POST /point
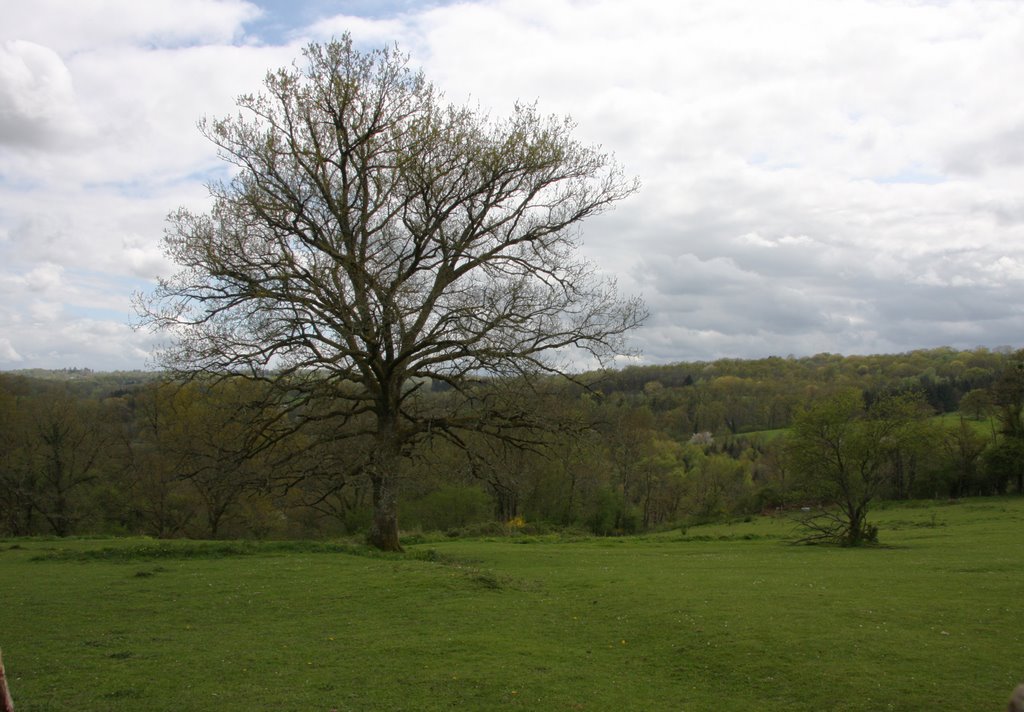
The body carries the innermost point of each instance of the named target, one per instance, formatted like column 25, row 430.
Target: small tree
column 68, row 446
column 963, row 446
column 1003, row 460
column 375, row 237
column 1008, row 397
column 977, row 403
column 842, row 451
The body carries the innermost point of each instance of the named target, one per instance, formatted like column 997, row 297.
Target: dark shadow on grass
column 184, row 550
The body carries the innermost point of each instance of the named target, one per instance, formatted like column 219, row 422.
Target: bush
column 449, row 508
column 609, row 515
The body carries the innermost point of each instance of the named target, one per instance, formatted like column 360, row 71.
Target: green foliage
column 1003, row 464
column 450, row 507
column 173, row 460
column 610, row 515
column 847, row 453
column 715, row 485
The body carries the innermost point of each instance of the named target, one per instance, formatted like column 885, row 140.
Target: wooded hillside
column 628, row 450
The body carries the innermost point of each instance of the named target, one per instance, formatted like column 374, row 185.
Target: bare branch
column 375, row 238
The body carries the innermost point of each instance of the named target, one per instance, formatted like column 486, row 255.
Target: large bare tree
column 374, row 238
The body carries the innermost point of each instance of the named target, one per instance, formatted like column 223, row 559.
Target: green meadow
column 722, row 617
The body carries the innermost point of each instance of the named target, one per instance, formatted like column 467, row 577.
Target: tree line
column 624, row 451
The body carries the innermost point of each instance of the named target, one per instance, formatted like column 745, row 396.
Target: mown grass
column 723, row 617
column 986, row 427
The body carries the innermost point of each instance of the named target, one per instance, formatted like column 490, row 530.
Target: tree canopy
column 375, row 237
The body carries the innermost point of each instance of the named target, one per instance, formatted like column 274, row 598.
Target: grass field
column 724, row 617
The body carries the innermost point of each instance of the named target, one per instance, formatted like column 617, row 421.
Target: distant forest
column 641, row 448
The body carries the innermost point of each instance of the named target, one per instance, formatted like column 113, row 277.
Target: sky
column 842, row 176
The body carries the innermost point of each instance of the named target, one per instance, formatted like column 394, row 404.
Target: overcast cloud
column 818, row 175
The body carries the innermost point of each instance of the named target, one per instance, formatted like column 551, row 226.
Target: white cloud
column 44, row 314
column 8, row 353
column 371, row 33
column 38, row 105
column 44, row 278
column 71, row 26
column 818, row 175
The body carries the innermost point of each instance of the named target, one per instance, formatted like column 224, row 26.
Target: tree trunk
column 567, row 516
column 384, row 469
column 384, row 529
column 506, row 498
column 384, row 478
column 213, row 523
column 648, row 492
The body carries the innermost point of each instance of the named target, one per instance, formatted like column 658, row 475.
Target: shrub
column 449, row 508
